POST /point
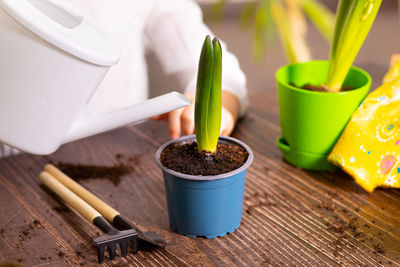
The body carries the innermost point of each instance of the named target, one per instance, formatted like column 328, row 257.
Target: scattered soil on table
column 83, row 172
column 61, row 209
column 10, row 264
column 121, row 265
column 342, row 228
column 319, row 88
column 76, row 257
column 328, row 206
column 26, row 232
column 345, row 226
column 184, row 158
column 257, row 200
column 378, row 248
column 37, row 223
column 128, row 159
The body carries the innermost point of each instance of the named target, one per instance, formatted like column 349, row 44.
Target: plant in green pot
column 317, row 98
column 204, row 174
column 286, row 19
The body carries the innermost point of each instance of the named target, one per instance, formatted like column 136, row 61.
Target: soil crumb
column 26, row 232
column 61, row 209
column 257, row 200
column 84, row 172
column 378, row 248
column 184, row 158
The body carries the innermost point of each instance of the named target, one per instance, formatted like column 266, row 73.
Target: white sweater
column 173, row 30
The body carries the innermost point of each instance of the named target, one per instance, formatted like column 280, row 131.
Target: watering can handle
column 27, row 13
column 88, row 124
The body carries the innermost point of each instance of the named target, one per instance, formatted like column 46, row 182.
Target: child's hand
column 182, row 120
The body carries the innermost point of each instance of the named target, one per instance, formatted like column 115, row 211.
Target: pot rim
column 249, row 160
column 341, row 93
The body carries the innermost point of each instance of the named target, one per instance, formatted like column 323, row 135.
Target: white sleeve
column 175, row 31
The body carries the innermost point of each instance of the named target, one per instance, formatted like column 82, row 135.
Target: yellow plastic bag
column 369, row 147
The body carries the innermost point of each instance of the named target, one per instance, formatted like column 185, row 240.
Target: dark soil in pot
column 319, row 88
column 183, row 157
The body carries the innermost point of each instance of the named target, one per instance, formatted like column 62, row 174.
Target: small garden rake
column 111, row 238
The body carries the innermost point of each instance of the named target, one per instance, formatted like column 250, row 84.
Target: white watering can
column 51, row 62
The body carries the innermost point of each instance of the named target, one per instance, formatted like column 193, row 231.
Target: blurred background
column 382, row 41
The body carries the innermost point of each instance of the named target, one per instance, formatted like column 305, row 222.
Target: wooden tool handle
column 108, row 212
column 69, row 197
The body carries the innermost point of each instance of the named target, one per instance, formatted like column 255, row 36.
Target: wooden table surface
column 290, row 216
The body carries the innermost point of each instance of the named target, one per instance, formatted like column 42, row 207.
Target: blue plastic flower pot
column 208, row 206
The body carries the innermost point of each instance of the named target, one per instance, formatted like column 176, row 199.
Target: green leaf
column 354, row 19
column 208, row 105
column 217, row 10
column 280, row 18
column 322, row 18
column 247, row 14
column 263, row 29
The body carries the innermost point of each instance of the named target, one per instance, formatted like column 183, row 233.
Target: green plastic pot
column 311, row 122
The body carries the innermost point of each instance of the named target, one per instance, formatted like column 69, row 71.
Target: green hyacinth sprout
column 207, row 110
column 354, row 19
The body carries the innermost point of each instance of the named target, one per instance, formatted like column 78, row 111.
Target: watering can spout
column 88, row 124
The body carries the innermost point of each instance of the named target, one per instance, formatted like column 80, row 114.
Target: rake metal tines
column 113, row 237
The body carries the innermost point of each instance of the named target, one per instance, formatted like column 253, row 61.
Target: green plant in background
column 354, row 19
column 287, row 19
column 208, row 105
